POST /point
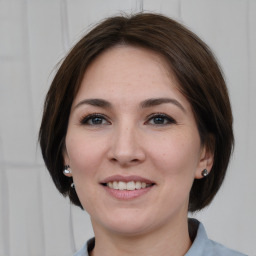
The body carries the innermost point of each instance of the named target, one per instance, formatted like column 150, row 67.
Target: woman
column 137, row 130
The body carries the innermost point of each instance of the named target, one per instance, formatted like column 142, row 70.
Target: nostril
column 125, row 161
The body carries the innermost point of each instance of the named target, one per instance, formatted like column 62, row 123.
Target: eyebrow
column 95, row 102
column 158, row 101
column 144, row 104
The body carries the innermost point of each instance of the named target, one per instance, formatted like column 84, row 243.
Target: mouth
column 130, row 185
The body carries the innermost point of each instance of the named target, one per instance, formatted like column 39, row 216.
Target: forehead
column 123, row 68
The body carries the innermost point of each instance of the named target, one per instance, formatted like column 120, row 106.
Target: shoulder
column 82, row 251
column 86, row 248
column 202, row 245
column 221, row 250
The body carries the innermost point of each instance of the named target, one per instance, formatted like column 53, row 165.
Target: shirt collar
column 198, row 236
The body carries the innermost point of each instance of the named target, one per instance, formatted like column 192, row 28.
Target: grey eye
column 94, row 119
column 161, row 119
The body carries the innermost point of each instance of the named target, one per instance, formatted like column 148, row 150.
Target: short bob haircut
column 200, row 81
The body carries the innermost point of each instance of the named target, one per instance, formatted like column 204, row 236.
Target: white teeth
column 110, row 184
column 115, row 185
column 138, row 185
column 122, row 185
column 131, row 185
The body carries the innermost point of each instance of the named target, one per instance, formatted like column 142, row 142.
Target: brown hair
column 196, row 70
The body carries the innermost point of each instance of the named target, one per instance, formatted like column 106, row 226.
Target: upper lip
column 126, row 179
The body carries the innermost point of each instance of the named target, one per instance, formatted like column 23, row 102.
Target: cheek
column 83, row 153
column 84, row 157
column 176, row 155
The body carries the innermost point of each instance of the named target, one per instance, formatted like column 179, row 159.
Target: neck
column 172, row 239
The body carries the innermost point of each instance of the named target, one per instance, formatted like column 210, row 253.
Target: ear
column 205, row 162
column 66, row 164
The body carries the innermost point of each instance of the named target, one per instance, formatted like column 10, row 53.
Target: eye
column 94, row 119
column 160, row 119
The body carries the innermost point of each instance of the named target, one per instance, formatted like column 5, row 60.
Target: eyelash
column 86, row 119
column 167, row 118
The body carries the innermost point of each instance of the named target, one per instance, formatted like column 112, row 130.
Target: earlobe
column 205, row 164
column 67, row 171
column 204, row 173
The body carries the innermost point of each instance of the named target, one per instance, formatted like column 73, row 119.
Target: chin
column 129, row 229
column 126, row 224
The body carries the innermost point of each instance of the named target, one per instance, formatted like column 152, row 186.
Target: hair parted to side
column 196, row 70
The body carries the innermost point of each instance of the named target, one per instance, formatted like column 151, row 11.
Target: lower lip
column 127, row 194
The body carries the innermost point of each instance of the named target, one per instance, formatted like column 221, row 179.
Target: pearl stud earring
column 204, row 173
column 66, row 170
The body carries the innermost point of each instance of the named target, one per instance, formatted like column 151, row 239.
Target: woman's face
column 132, row 143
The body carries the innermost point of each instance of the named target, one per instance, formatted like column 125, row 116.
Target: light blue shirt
column 201, row 246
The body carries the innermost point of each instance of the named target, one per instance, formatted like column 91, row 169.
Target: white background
column 34, row 36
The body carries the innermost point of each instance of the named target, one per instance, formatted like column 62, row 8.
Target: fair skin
column 140, row 130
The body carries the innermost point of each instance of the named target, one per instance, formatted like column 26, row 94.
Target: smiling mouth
column 130, row 185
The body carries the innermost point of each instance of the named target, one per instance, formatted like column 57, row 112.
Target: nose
column 126, row 146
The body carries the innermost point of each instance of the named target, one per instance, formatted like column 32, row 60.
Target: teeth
column 138, row 185
column 115, row 185
column 122, row 185
column 110, row 184
column 131, row 185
